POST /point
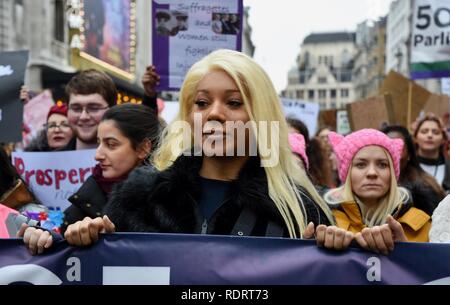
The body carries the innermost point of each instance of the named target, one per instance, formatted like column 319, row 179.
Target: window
column 333, row 93
column 322, row 105
column 333, row 105
column 300, row 94
column 344, row 92
column 311, row 94
column 59, row 26
column 322, row 94
column 322, row 80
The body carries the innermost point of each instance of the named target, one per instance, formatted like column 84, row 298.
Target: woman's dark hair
column 8, row 174
column 320, row 170
column 136, row 122
column 300, row 127
column 412, row 170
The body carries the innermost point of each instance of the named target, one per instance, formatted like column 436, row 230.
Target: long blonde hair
column 387, row 205
column 262, row 104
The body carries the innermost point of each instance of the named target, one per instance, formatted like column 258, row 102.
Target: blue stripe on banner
column 429, row 74
column 219, row 260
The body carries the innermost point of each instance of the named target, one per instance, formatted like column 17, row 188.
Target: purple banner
column 186, row 31
column 219, row 260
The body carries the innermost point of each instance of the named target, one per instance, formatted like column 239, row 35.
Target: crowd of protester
column 371, row 187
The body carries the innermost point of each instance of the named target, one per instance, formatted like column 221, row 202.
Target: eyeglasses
column 53, row 126
column 90, row 109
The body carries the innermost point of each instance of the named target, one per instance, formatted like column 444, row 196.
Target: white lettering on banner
column 74, row 272
column 6, row 71
column 374, row 272
column 136, row 275
column 32, row 274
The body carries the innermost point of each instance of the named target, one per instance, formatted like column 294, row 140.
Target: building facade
column 324, row 70
column 370, row 59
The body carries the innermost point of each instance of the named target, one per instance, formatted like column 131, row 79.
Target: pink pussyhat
column 347, row 147
column 298, row 146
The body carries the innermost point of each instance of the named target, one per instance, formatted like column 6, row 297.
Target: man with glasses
column 90, row 94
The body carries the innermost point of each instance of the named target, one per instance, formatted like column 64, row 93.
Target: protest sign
column 373, row 112
column 184, row 31
column 54, row 176
column 408, row 98
column 439, row 105
column 12, row 75
column 306, row 112
column 430, row 39
column 342, row 123
column 35, row 115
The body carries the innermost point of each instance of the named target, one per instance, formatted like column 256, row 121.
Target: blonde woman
column 212, row 179
column 370, row 204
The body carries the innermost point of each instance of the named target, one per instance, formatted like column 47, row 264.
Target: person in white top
column 430, row 138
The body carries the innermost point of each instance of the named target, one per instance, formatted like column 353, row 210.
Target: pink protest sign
column 35, row 115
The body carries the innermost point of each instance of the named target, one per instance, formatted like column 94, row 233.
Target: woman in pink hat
column 370, row 204
column 57, row 131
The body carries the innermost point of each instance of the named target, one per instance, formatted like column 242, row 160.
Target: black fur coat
column 166, row 202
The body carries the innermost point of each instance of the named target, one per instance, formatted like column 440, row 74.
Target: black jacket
column 166, row 202
column 423, row 196
column 88, row 201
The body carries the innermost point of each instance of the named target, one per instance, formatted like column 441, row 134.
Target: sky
column 280, row 26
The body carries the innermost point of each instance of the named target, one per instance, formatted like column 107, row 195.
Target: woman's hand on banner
column 86, row 231
column 380, row 239
column 36, row 240
column 330, row 237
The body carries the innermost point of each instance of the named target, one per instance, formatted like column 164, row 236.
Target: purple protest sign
column 185, row 31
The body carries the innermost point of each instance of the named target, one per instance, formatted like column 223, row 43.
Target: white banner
column 54, row 176
column 306, row 112
column 430, row 41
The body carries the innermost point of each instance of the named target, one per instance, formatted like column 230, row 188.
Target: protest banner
column 12, row 77
column 306, row 112
column 408, row 98
column 182, row 259
column 54, row 176
column 35, row 115
column 373, row 112
column 107, row 35
column 184, row 31
column 430, row 39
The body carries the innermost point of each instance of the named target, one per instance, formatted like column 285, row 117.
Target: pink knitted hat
column 297, row 142
column 347, row 147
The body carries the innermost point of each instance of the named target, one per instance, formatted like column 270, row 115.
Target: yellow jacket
column 416, row 223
